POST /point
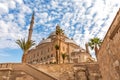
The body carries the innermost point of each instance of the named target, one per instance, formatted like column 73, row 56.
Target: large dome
column 54, row 34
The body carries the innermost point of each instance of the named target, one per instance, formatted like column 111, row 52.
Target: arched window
column 44, row 57
column 41, row 52
column 48, row 56
column 48, row 49
column 41, row 59
column 63, row 48
column 38, row 54
column 51, row 48
column 51, row 55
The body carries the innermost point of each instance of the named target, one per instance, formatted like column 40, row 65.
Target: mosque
column 45, row 52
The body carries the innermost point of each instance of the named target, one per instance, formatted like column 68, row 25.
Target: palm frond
column 57, row 47
column 59, row 31
column 25, row 45
column 29, row 44
column 91, row 45
column 63, row 56
column 94, row 41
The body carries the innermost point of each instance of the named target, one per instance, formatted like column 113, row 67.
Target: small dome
column 70, row 41
column 85, row 57
column 45, row 41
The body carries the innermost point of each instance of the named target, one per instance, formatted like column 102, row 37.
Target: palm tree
column 59, row 32
column 63, row 56
column 25, row 46
column 57, row 48
column 95, row 43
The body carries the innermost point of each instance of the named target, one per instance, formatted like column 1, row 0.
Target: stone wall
column 8, row 74
column 4, row 74
column 89, row 71
column 81, row 71
column 109, row 53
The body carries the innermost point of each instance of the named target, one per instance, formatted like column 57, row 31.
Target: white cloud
column 43, row 15
column 12, row 4
column 10, row 16
column 54, row 4
column 25, row 9
column 3, row 8
column 19, row 1
column 81, row 19
column 3, row 26
column 10, row 32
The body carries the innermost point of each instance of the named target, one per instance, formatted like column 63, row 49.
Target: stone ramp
column 29, row 69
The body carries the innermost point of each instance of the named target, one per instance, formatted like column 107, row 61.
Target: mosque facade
column 45, row 51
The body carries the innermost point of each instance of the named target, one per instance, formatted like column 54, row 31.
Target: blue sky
column 81, row 20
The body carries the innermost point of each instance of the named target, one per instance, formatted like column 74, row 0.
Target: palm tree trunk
column 96, row 50
column 59, row 50
column 56, row 56
column 24, row 57
column 58, row 43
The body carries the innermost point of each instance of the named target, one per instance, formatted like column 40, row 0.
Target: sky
column 80, row 19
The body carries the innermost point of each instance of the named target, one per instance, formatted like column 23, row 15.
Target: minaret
column 87, row 50
column 31, row 28
column 57, row 27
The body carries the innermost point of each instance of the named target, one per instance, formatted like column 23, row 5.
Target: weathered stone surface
column 58, row 70
column 81, row 71
column 109, row 53
column 89, row 70
column 14, row 75
column 25, row 77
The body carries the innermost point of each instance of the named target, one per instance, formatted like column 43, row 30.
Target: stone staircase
column 19, row 71
column 28, row 69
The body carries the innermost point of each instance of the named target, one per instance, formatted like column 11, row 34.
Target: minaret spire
column 57, row 27
column 31, row 27
column 87, row 50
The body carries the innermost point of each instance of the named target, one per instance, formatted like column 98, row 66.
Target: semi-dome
column 45, row 41
column 52, row 34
